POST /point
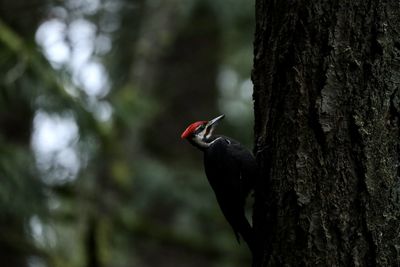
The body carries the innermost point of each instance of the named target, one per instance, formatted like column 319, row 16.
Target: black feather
column 231, row 170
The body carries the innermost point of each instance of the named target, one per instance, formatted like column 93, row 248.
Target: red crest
column 192, row 127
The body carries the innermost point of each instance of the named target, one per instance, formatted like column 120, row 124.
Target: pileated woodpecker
column 230, row 169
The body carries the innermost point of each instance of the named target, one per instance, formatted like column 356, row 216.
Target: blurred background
column 94, row 95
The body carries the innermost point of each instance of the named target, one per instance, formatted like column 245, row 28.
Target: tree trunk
column 327, row 115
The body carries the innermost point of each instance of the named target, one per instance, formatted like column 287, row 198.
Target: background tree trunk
column 327, row 115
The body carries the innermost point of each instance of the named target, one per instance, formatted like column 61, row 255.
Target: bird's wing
column 247, row 166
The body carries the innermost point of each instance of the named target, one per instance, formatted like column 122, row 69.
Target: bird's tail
column 244, row 229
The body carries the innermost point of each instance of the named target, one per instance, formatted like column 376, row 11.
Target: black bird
column 230, row 169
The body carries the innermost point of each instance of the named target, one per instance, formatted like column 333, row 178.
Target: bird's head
column 200, row 133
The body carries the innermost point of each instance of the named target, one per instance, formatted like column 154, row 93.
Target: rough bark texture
column 327, row 77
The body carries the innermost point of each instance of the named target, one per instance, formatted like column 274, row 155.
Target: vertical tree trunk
column 91, row 243
column 327, row 110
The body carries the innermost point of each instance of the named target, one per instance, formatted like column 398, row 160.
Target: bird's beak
column 215, row 121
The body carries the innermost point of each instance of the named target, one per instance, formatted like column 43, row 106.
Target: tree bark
column 326, row 89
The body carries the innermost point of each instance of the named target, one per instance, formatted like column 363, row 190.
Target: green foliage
column 16, row 184
column 81, row 180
